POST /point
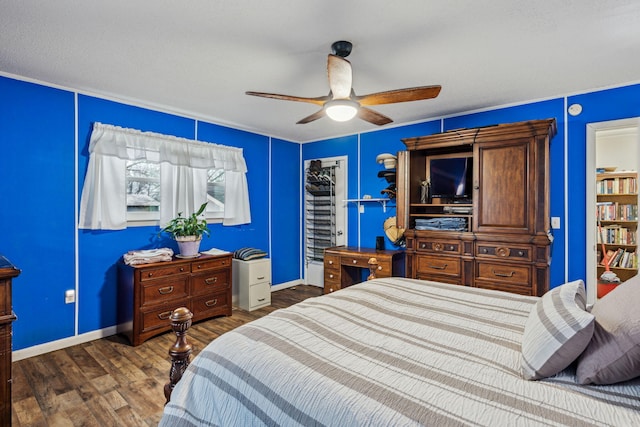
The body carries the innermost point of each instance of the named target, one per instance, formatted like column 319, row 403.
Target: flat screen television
column 450, row 177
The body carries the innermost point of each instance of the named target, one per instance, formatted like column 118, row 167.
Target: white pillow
column 557, row 331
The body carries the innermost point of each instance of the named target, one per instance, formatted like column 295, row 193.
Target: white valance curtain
column 183, row 170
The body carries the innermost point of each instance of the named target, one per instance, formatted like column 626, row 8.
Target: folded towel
column 148, row 256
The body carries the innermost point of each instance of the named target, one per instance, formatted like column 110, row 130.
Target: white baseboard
column 47, row 347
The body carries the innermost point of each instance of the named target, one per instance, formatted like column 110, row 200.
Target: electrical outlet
column 69, row 296
column 555, row 222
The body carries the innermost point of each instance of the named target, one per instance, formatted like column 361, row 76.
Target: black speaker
column 380, row 243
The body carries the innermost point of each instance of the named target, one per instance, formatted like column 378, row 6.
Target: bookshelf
column 617, row 213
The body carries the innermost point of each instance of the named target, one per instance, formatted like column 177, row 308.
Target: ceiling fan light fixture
column 341, row 110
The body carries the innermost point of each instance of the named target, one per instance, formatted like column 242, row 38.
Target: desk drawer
column 362, row 261
column 438, row 265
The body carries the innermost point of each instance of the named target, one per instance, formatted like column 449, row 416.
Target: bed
column 391, row 352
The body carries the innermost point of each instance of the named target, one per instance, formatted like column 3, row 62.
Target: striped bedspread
column 388, row 352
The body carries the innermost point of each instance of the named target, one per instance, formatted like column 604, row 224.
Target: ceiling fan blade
column 340, row 76
column 320, row 100
column 374, row 117
column 315, row 116
column 399, row 95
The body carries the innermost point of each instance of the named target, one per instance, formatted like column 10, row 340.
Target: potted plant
column 188, row 231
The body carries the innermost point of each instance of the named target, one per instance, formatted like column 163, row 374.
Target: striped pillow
column 557, row 331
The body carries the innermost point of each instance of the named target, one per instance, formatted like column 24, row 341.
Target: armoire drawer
column 438, row 265
column 504, row 273
column 503, row 251
column 440, row 246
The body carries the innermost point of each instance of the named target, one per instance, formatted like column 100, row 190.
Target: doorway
column 613, row 160
column 325, row 213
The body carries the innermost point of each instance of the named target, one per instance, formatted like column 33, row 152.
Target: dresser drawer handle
column 520, row 253
column 211, row 280
column 165, row 290
column 164, row 315
column 423, row 245
column 379, row 267
column 355, row 261
column 181, row 269
column 331, row 276
column 438, row 267
column 261, row 299
column 211, row 303
column 484, row 250
column 330, row 262
column 510, row 274
column 199, row 266
column 261, row 278
column 150, row 274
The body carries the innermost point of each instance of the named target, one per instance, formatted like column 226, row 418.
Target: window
column 144, row 176
column 143, row 191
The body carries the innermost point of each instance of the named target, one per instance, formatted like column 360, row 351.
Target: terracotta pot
column 189, row 245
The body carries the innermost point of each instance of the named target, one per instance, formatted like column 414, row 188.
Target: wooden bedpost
column 373, row 266
column 180, row 352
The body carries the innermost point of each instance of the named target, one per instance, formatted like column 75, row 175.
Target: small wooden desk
column 344, row 265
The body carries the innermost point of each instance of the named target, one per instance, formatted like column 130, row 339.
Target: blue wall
column 40, row 197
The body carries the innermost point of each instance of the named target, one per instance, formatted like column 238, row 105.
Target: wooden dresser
column 148, row 293
column 7, row 272
column 505, row 242
column 347, row 265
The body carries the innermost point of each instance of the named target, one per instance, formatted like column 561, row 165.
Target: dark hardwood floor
column 107, row 382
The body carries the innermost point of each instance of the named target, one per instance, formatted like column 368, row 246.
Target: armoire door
column 503, row 180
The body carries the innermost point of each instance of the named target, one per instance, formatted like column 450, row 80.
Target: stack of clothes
column 148, row 256
column 452, row 223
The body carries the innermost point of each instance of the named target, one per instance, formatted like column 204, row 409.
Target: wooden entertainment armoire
column 504, row 242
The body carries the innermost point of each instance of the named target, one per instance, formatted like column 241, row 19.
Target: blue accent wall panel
column 285, row 211
column 99, row 251
column 343, row 146
column 600, row 106
column 256, row 154
column 37, row 215
column 371, row 145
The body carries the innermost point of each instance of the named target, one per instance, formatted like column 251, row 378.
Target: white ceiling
column 198, row 57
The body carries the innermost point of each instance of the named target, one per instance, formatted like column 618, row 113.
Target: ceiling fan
column 342, row 103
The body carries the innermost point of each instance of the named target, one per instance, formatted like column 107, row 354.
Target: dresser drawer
column 438, row 265
column 158, row 318
column 209, row 264
column 504, row 273
column 157, row 273
column 440, row 246
column 210, row 282
column 331, row 261
column 259, row 271
column 158, row 291
column 503, row 251
column 210, row 305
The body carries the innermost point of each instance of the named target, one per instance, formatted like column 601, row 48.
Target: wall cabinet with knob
column 148, row 293
column 252, row 279
column 497, row 236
